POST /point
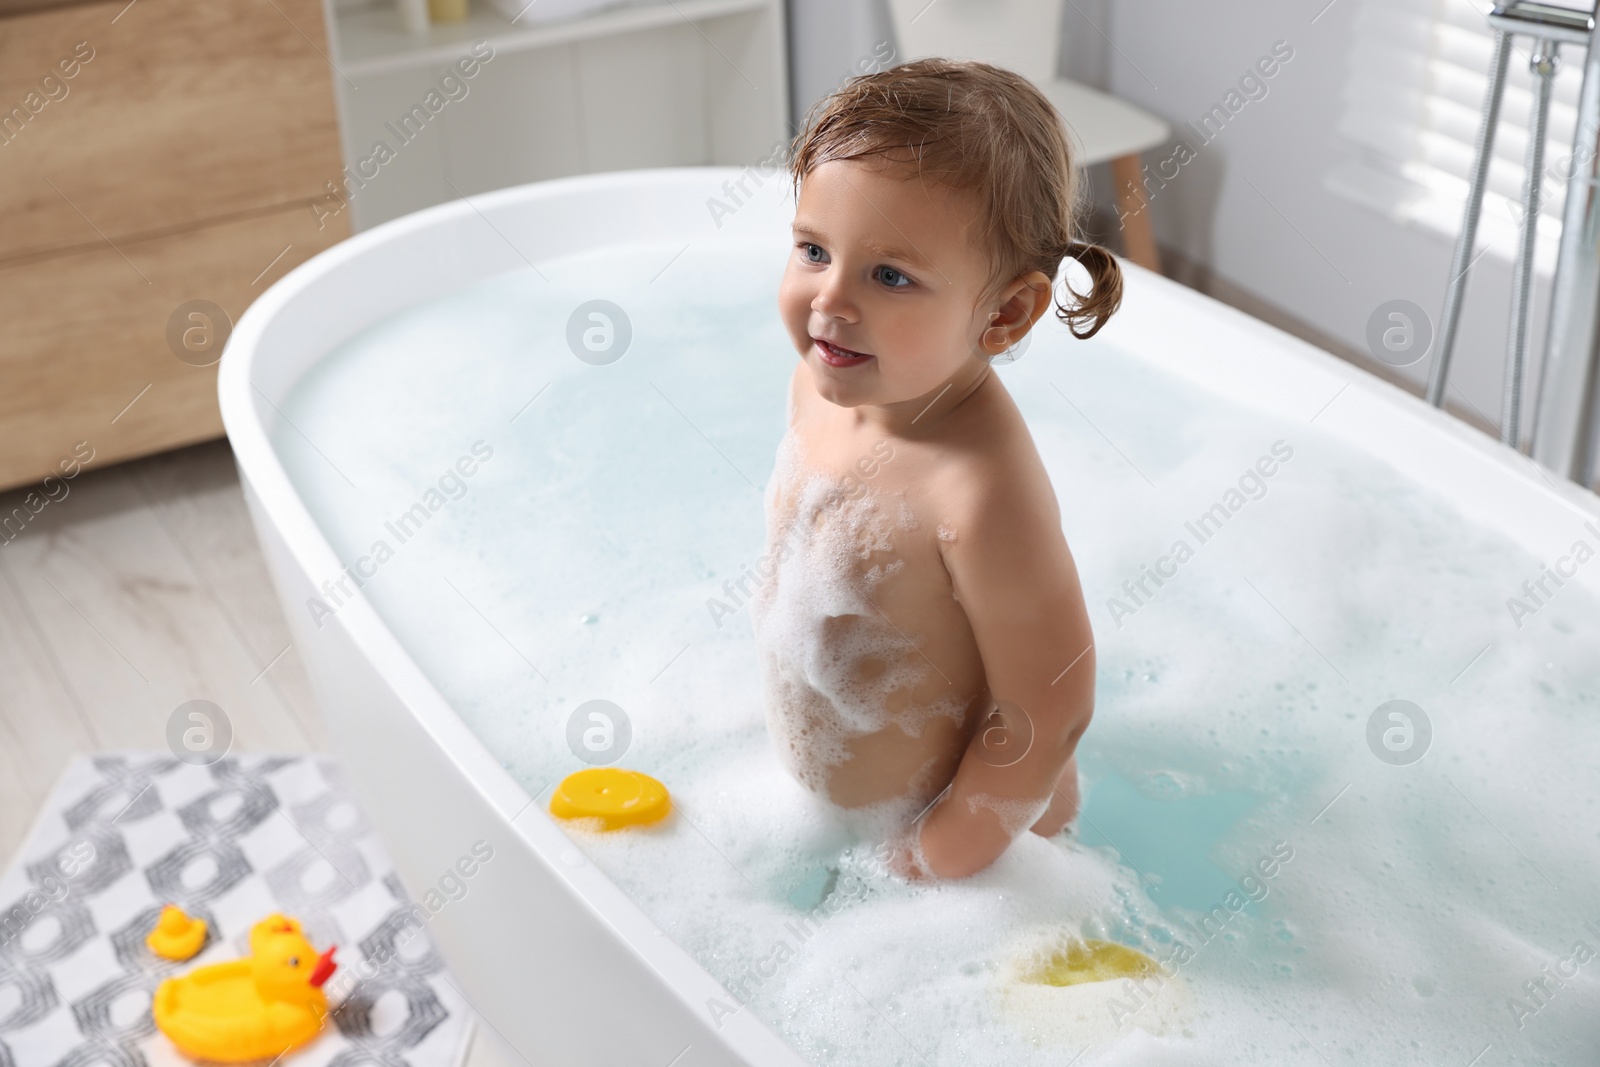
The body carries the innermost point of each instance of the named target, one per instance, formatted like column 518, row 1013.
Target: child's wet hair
column 978, row 128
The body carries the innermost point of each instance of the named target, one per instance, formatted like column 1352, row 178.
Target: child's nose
column 833, row 298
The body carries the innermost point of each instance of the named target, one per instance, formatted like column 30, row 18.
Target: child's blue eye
column 818, row 256
column 893, row 278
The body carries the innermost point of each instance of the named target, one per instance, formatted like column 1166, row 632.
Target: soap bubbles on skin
column 1015, row 814
column 1399, row 333
column 599, row 732
column 1399, row 732
column 199, row 732
column 599, row 332
column 827, row 681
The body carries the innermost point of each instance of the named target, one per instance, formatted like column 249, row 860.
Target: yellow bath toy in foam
column 177, row 936
column 255, row 1008
column 1073, row 993
column 1093, row 961
column 616, row 797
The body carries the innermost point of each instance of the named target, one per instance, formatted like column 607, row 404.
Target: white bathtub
column 562, row 965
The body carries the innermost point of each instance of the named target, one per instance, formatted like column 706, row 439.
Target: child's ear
column 1023, row 302
column 1021, row 305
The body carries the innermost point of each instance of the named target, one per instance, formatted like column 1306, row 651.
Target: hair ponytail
column 1105, row 290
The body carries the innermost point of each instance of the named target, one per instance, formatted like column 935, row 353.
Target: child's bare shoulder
column 992, row 472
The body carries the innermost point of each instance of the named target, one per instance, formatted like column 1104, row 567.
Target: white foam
column 1015, row 815
column 1419, row 899
column 830, row 664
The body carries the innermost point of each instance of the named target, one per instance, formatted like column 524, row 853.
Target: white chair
column 1025, row 36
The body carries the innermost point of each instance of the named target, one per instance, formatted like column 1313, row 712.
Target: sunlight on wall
column 1418, row 70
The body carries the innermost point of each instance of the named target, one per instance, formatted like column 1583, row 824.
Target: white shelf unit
column 664, row 83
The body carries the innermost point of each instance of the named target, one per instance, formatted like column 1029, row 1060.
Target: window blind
column 1412, row 100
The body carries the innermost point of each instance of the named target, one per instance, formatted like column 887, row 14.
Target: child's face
column 882, row 266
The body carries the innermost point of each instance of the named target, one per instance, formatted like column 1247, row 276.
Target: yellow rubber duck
column 255, row 1008
column 177, row 935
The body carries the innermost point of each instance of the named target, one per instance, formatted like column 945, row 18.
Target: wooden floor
column 142, row 588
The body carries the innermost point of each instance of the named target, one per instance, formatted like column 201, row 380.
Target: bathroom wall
column 827, row 40
column 1251, row 206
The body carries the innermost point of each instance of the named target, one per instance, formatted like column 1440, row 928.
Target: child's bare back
column 924, row 642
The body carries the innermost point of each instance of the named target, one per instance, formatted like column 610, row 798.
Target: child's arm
column 1014, row 577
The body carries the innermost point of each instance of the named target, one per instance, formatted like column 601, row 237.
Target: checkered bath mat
column 125, row 833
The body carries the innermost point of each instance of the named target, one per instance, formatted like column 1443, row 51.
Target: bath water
column 556, row 530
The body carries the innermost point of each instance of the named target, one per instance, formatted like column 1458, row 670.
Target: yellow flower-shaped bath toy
column 177, row 936
column 1094, row 961
column 255, row 1008
column 616, row 797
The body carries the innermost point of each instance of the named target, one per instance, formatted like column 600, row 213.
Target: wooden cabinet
column 177, row 163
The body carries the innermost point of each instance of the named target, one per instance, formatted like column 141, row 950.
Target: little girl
column 926, row 652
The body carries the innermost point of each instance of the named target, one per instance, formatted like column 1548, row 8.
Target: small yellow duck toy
column 177, row 935
column 256, row 1008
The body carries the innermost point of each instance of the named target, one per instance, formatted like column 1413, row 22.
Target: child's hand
column 902, row 858
column 905, row 865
